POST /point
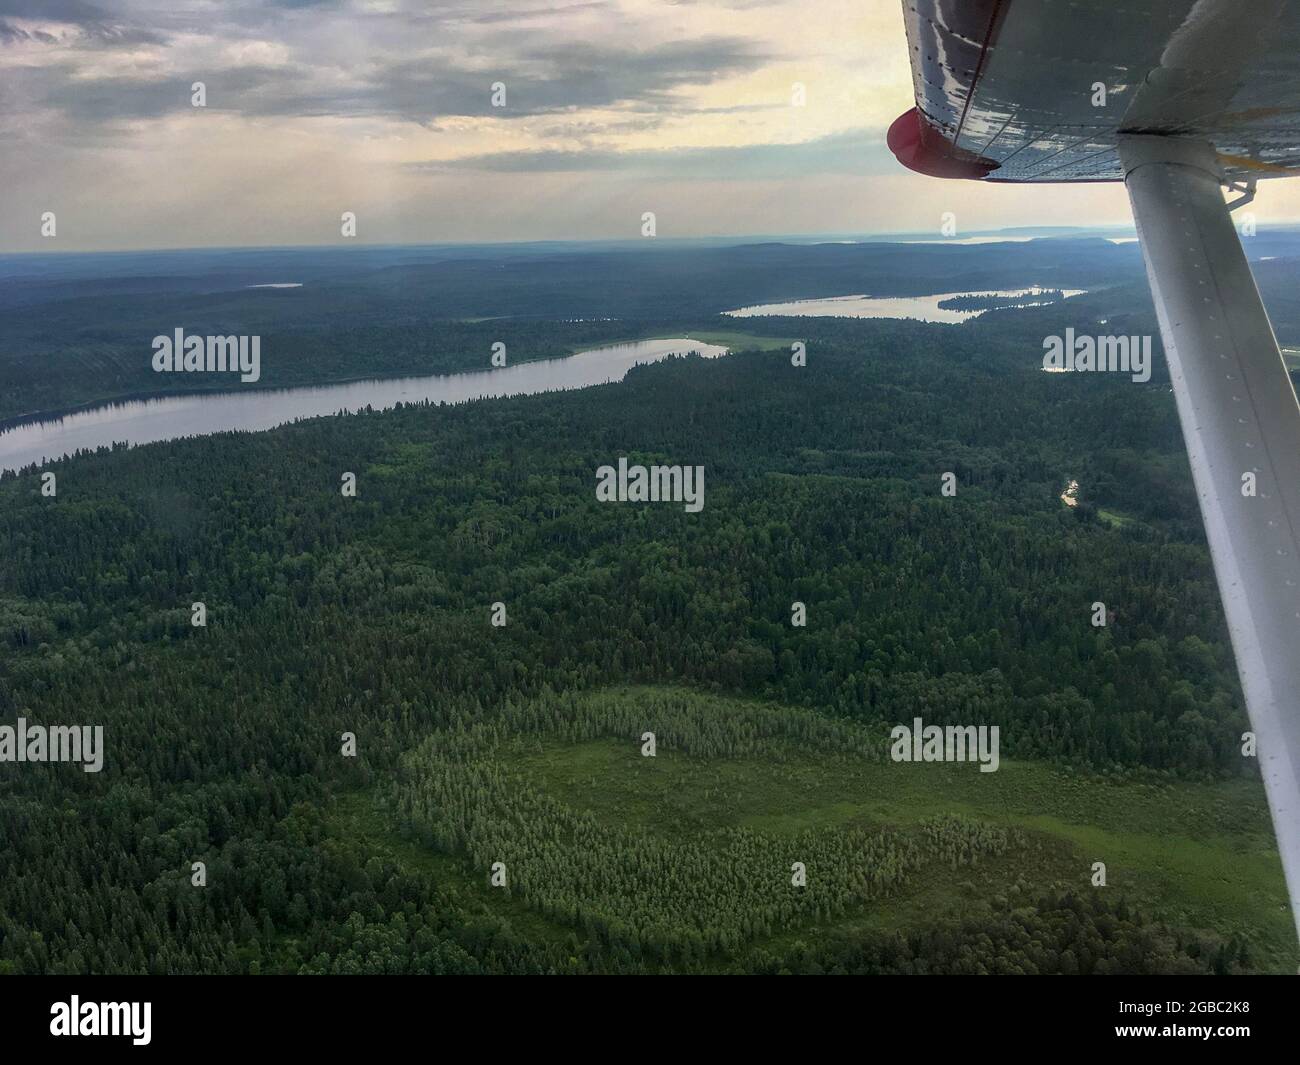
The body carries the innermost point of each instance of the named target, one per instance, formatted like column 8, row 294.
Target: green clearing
column 1201, row 855
column 1194, row 855
column 1114, row 517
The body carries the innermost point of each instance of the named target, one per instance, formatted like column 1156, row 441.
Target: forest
column 77, row 329
column 330, row 616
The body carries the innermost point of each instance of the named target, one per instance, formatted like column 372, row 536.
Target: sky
column 384, row 108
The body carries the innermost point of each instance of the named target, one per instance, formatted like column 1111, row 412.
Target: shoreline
column 15, row 421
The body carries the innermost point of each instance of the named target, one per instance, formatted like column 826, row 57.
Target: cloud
column 385, row 107
column 76, row 11
column 10, row 34
column 350, row 63
column 857, row 151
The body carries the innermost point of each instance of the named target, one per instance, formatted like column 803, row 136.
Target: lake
column 923, row 308
column 169, row 417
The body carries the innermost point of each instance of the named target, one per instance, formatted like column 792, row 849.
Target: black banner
column 337, row 1014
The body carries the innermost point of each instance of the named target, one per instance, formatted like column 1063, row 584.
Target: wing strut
column 1241, row 424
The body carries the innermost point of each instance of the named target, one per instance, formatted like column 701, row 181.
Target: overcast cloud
column 384, row 108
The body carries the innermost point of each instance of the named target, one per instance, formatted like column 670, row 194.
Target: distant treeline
column 68, row 338
column 989, row 303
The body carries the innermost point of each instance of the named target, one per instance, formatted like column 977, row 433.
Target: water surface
column 924, row 308
column 170, row 417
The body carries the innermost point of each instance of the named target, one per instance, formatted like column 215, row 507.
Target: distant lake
column 170, row 417
column 923, row 308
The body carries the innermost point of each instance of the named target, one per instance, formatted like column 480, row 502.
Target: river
column 170, row 417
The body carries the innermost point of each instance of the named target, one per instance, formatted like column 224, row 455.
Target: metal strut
column 1241, row 423
column 1247, row 190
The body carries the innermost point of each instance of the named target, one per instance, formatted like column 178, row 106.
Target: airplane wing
column 1042, row 90
column 1198, row 95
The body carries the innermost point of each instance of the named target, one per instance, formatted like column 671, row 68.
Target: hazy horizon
column 1043, row 232
column 476, row 121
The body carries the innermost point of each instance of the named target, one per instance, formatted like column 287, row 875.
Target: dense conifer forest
column 520, row 744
